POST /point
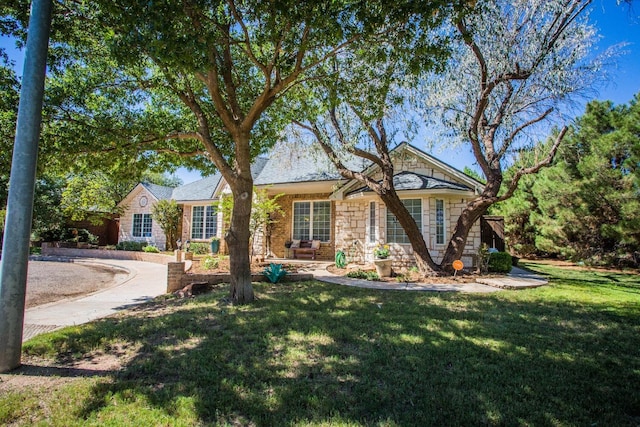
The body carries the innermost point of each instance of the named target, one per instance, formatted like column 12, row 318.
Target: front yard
column 567, row 354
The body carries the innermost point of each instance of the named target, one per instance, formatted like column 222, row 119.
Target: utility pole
column 15, row 248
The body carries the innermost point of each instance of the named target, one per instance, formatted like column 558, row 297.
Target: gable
column 416, row 170
column 137, row 193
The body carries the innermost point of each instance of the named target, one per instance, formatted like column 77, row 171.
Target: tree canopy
column 204, row 84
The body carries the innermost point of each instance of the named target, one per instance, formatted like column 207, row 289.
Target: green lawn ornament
column 274, row 272
column 341, row 259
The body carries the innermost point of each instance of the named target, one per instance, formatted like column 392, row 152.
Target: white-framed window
column 142, row 224
column 372, row 222
column 440, row 229
column 395, row 232
column 312, row 220
column 204, row 222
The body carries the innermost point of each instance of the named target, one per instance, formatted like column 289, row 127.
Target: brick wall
column 282, row 229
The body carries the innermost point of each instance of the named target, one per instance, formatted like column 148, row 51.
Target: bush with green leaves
column 199, row 248
column 361, row 274
column 151, row 249
column 131, row 245
column 500, row 262
column 210, row 262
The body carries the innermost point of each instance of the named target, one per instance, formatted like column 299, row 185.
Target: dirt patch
column 53, row 281
column 48, row 375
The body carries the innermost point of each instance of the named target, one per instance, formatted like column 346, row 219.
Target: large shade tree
column 203, row 83
column 516, row 63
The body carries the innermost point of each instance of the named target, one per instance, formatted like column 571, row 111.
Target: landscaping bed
column 368, row 272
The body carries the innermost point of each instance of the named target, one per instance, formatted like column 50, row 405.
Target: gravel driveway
column 52, row 281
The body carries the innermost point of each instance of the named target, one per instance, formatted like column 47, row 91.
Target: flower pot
column 383, row 267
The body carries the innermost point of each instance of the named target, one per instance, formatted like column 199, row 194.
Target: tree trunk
column 470, row 214
column 237, row 238
column 424, row 262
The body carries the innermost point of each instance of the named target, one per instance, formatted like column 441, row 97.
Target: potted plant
column 215, row 244
column 382, row 261
column 381, row 252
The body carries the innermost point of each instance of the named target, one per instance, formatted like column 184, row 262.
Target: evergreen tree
column 587, row 206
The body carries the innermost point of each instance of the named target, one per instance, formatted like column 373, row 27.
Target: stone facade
column 355, row 237
column 354, row 229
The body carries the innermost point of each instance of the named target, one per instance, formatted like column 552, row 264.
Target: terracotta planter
column 383, row 267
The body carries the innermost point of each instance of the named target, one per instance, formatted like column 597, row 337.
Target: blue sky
column 617, row 24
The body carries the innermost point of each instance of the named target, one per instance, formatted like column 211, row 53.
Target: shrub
column 210, row 263
column 500, row 262
column 151, row 249
column 199, row 248
column 130, row 245
column 357, row 274
column 366, row 275
column 372, row 275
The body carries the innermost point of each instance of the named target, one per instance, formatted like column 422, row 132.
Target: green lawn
column 316, row 354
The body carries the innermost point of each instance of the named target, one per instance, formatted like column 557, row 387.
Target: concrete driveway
column 142, row 282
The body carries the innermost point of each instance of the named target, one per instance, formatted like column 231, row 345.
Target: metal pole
column 15, row 248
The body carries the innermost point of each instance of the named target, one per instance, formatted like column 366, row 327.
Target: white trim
column 421, row 226
column 203, row 222
column 444, row 222
column 372, row 237
column 142, row 218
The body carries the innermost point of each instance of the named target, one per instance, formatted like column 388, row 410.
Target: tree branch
column 513, row 185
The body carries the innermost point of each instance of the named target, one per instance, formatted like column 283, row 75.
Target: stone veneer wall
column 351, row 228
column 352, row 231
column 48, row 250
column 282, row 229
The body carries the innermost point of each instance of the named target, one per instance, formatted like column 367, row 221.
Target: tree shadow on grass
column 324, row 353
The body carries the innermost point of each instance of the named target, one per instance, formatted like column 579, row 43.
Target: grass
column 314, row 354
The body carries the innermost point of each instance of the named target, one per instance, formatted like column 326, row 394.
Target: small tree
column 263, row 210
column 168, row 214
column 262, row 213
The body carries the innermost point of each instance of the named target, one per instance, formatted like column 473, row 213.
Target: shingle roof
column 160, row 192
column 415, row 181
column 204, row 188
column 301, row 166
column 198, row 190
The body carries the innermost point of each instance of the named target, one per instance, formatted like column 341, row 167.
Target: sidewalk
column 517, row 279
column 144, row 282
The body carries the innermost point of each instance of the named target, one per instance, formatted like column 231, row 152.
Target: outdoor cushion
column 295, row 244
column 315, row 244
